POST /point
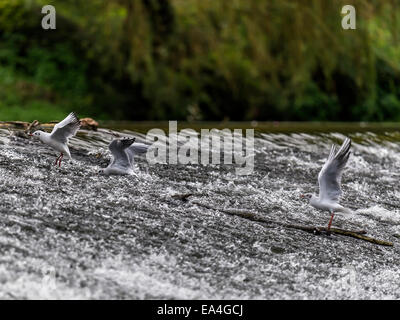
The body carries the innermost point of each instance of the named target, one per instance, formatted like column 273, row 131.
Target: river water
column 69, row 233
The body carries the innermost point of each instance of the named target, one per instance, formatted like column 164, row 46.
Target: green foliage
column 205, row 59
column 22, row 99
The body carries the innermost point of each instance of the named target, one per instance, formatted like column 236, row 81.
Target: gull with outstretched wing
column 58, row 138
column 329, row 180
column 123, row 152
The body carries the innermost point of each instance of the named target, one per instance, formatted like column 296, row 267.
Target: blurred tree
column 211, row 60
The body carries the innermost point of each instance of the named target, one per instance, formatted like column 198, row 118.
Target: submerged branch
column 358, row 234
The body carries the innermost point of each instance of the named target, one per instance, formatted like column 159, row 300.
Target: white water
column 125, row 237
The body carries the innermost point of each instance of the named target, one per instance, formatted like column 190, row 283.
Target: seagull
column 58, row 138
column 123, row 151
column 329, row 179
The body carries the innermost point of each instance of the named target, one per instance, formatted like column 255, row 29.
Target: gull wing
column 330, row 176
column 65, row 129
column 135, row 149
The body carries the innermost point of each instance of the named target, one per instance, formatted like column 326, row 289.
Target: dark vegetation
column 200, row 60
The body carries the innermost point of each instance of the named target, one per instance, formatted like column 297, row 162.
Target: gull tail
column 344, row 210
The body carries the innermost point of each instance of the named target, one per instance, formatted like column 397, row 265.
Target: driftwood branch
column 33, row 124
column 358, row 234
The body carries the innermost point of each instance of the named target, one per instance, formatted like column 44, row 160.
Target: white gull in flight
column 58, row 138
column 123, row 152
column 329, row 180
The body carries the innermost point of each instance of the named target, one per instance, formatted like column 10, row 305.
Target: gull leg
column 61, row 156
column 330, row 222
column 57, row 159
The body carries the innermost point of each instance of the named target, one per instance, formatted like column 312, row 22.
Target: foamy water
column 70, row 233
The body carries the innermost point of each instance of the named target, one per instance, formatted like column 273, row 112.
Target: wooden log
column 358, row 234
column 86, row 123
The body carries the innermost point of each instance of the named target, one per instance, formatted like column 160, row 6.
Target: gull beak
column 30, row 134
column 302, row 196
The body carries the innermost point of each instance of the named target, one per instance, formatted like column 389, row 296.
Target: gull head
column 37, row 134
column 307, row 196
column 311, row 199
column 101, row 172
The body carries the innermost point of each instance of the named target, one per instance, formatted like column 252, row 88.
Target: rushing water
column 70, row 233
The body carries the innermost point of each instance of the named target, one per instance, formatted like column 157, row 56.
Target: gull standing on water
column 329, row 180
column 58, row 138
column 123, row 151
